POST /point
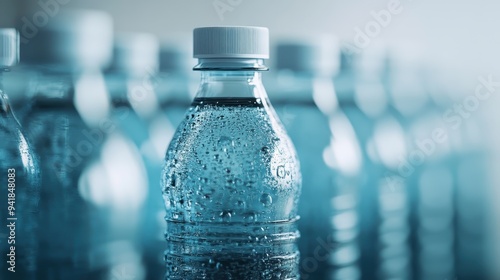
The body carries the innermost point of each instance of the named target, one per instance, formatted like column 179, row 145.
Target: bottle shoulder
column 242, row 127
column 239, row 141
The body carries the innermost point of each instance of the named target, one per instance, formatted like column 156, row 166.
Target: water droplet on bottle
column 265, row 150
column 250, row 216
column 238, row 182
column 225, row 142
column 258, row 230
column 226, row 215
column 241, row 203
column 266, row 199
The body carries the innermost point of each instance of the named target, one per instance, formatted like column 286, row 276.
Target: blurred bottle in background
column 382, row 201
column 20, row 175
column 67, row 122
column 303, row 94
column 427, row 170
column 123, row 181
column 231, row 180
column 17, row 82
column 473, row 188
column 466, row 124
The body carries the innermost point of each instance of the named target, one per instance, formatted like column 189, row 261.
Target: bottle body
column 20, row 192
column 71, row 237
column 382, row 205
column 231, row 183
column 134, row 108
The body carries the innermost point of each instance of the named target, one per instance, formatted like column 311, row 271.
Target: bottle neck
column 231, row 84
column 51, row 85
column 230, row 64
column 84, row 90
column 5, row 107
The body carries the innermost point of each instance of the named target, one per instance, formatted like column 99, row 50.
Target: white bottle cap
column 9, row 47
column 319, row 55
column 136, row 53
column 72, row 38
column 231, row 42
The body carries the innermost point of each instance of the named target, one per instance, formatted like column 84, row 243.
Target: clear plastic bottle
column 427, row 171
column 303, row 95
column 382, row 202
column 231, row 180
column 463, row 208
column 131, row 82
column 68, row 123
column 20, row 175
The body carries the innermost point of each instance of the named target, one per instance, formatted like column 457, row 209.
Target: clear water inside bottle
column 230, row 187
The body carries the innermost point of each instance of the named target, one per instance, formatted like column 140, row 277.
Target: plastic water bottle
column 427, row 170
column 131, row 82
column 303, row 94
column 382, row 202
column 20, row 175
column 473, row 188
column 68, row 123
column 231, row 179
column 464, row 200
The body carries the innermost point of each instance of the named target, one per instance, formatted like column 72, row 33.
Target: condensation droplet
column 250, row 216
column 226, row 215
column 266, row 199
column 265, row 150
column 241, row 203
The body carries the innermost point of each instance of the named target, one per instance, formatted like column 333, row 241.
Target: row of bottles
column 21, row 186
column 354, row 155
